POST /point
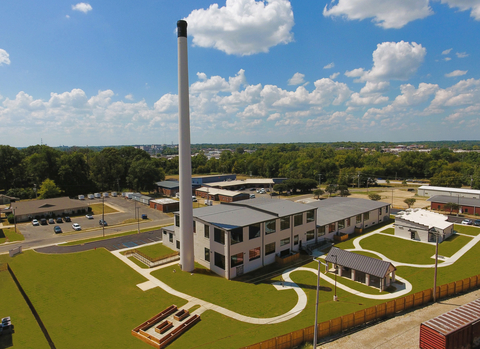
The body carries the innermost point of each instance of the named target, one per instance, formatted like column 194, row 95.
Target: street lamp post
column 336, row 270
column 103, row 215
column 138, row 220
column 315, row 333
column 436, row 265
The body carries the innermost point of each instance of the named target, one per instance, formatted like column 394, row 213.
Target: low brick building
column 27, row 210
column 221, row 195
column 165, row 205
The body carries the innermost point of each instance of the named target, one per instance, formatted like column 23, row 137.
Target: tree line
column 82, row 170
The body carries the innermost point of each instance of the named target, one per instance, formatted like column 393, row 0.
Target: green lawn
column 450, row 246
column 88, row 299
column 467, row 229
column 156, row 250
column 261, row 300
column 10, row 234
column 390, row 231
column 400, row 250
column 137, row 262
column 97, row 209
column 27, row 332
column 368, row 254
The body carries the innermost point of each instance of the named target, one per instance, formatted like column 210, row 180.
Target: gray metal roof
column 240, row 214
column 456, row 200
column 368, row 265
column 34, row 207
column 168, row 184
column 334, row 209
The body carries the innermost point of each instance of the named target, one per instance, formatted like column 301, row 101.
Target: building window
column 207, row 231
column 321, row 231
column 366, row 216
column 270, row 227
column 331, row 227
column 269, row 248
column 359, row 218
column 220, row 260
column 310, row 235
column 237, row 259
column 341, row 224
column 178, row 245
column 236, row 236
column 170, row 237
column 284, row 242
column 254, row 231
column 298, row 220
column 386, row 209
column 284, row 223
column 380, row 211
column 310, row 216
column 347, row 221
column 207, row 254
column 177, row 220
column 194, row 227
column 439, row 207
column 219, row 236
column 465, row 210
column 295, row 240
column 254, row 254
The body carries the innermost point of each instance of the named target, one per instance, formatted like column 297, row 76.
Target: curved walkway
column 288, row 284
column 449, row 261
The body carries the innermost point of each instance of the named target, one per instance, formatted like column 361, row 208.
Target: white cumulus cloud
column 242, row 27
column 446, row 52
column 82, row 7
column 296, row 79
column 461, row 54
column 329, row 66
column 456, row 73
column 465, row 5
column 392, row 61
column 4, row 57
column 386, row 14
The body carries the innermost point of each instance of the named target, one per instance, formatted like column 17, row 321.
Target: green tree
column 318, row 192
column 452, row 206
column 451, row 179
column 48, row 189
column 10, row 159
column 143, row 174
column 343, row 190
column 374, row 196
column 331, row 189
column 410, row 201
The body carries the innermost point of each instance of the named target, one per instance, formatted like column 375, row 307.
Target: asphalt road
column 41, row 236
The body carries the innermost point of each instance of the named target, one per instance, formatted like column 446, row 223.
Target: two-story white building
column 235, row 238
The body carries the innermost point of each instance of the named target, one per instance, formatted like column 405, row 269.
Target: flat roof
column 225, row 183
column 334, row 209
column 451, row 190
column 168, row 184
column 215, row 191
column 424, row 217
column 456, row 200
column 164, row 201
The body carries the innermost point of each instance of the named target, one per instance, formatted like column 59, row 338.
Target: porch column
column 326, row 268
column 393, row 276
column 387, row 279
column 353, row 274
column 339, row 268
column 382, row 284
column 367, row 279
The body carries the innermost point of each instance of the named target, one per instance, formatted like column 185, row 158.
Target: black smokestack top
column 182, row 28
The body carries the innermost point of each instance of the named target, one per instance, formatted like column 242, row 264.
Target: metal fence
column 362, row 317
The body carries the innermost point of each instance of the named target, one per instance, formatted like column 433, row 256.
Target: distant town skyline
column 277, row 71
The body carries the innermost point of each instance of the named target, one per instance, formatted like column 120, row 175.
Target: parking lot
column 125, row 207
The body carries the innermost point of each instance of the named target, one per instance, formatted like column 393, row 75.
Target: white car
column 467, row 221
column 89, row 216
column 76, row 226
column 35, row 222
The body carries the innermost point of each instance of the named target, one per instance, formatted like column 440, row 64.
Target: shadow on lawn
column 6, row 341
column 2, row 234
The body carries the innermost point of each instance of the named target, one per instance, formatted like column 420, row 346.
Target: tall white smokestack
column 185, row 162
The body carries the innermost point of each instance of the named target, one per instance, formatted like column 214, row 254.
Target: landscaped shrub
column 11, row 218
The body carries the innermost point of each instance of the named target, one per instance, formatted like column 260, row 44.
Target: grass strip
column 9, row 235
column 80, row 242
column 450, row 246
column 97, row 209
column 156, row 251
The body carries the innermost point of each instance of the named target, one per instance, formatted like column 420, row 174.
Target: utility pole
column 358, row 175
column 103, row 215
column 435, row 276
column 319, row 179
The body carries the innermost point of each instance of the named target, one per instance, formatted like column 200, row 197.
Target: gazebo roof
column 367, row 265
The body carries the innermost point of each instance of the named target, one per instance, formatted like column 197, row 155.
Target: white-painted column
column 353, row 275
column 393, row 276
column 184, row 151
column 367, row 279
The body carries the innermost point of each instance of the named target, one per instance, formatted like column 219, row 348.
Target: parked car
column 476, row 222
column 144, row 216
column 467, row 221
column 51, row 221
column 194, row 199
column 35, row 222
column 59, row 220
column 102, row 222
column 67, row 219
column 76, row 226
column 89, row 216
column 252, row 196
column 57, row 229
column 43, row 221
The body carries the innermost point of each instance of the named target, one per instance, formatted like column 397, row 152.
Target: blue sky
column 105, row 72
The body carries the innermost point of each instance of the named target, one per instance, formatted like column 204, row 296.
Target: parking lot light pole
column 103, row 215
column 315, row 333
column 436, row 265
column 336, row 270
column 138, row 219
